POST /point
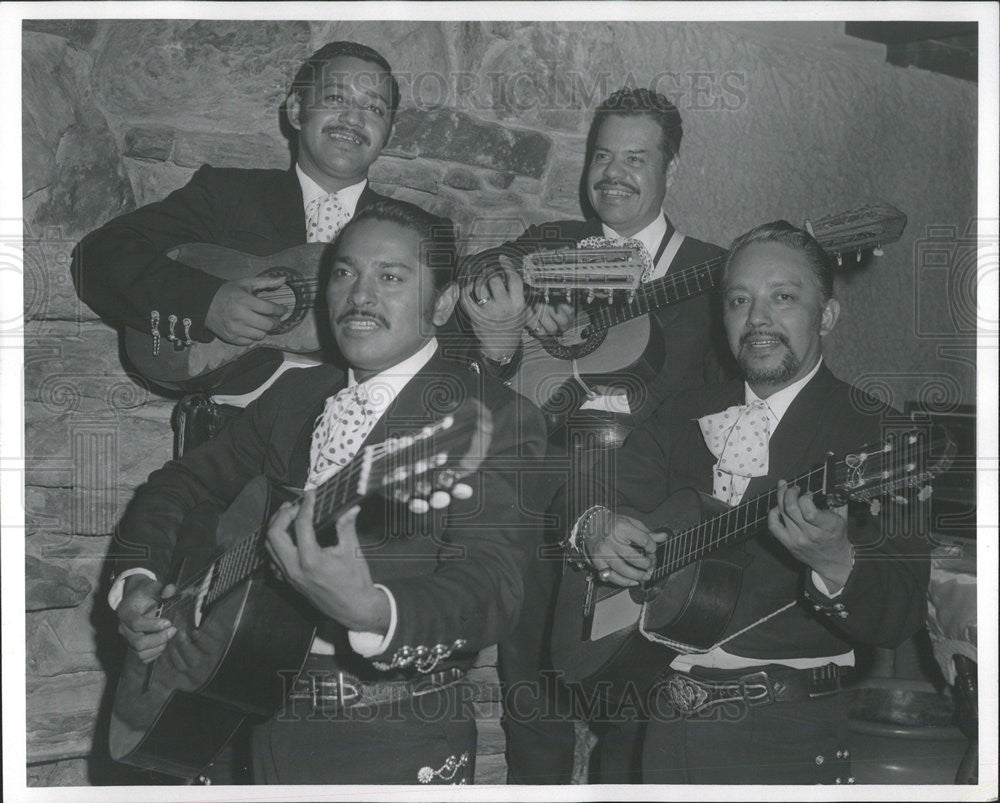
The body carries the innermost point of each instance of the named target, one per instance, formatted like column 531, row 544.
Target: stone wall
column 781, row 120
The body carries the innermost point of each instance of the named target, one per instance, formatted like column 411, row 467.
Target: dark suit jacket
column 121, row 271
column 685, row 326
column 455, row 574
column 884, row 598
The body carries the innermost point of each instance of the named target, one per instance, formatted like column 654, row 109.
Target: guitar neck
column 338, row 494
column 731, row 527
column 658, row 293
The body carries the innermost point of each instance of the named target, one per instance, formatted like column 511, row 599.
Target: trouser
column 429, row 739
column 793, row 742
column 536, row 715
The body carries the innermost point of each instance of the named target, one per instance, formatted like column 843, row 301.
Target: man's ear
column 831, row 312
column 672, row 169
column 445, row 304
column 293, row 109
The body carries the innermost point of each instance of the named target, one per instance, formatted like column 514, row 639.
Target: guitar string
column 689, row 544
column 236, row 563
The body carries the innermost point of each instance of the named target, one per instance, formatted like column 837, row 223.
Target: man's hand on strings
column 239, row 317
column 146, row 632
column 335, row 579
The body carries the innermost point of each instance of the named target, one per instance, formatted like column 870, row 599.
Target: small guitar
column 615, row 332
column 245, row 633
column 690, row 597
column 177, row 362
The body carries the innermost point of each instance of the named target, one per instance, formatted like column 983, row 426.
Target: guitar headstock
column 597, row 266
column 867, row 227
column 904, row 460
column 423, row 468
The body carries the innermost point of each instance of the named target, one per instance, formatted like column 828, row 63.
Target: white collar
column 383, row 388
column 779, row 401
column 651, row 237
column 348, row 196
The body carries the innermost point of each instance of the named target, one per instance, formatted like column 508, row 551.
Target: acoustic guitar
column 598, row 639
column 614, row 342
column 247, row 633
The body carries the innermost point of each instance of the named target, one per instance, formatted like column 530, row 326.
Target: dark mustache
column 607, row 184
column 358, row 314
column 758, row 333
column 353, row 132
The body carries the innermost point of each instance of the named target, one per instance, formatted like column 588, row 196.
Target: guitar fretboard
column 658, row 293
column 726, row 529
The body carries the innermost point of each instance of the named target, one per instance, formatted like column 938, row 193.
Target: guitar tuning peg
column 840, row 260
column 419, row 505
column 590, row 296
column 858, row 256
column 925, row 493
column 461, row 491
column 877, row 250
column 874, row 507
column 439, row 499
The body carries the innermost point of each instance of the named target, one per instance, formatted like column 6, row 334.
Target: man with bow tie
column 341, row 105
column 401, row 618
column 767, row 707
column 633, row 156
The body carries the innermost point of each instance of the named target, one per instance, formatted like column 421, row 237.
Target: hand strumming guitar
column 138, row 621
column 238, row 316
column 621, row 548
column 497, row 308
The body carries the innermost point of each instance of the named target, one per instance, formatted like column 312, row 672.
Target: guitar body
column 595, row 636
column 175, row 714
column 194, row 367
column 630, row 356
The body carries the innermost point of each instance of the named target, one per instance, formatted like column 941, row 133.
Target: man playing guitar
column 761, row 704
column 414, row 605
column 342, row 104
column 632, row 159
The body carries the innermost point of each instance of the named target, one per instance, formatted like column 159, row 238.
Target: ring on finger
column 482, row 302
column 605, row 574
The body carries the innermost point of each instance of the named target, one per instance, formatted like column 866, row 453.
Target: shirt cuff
column 822, row 587
column 368, row 645
column 118, row 586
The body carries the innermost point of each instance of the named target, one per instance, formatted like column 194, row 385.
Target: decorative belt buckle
column 686, row 696
column 757, row 679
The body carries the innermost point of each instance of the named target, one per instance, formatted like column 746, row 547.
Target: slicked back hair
column 438, row 249
column 642, row 103
column 313, row 66
column 783, row 232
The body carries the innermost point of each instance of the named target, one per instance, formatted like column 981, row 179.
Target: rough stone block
column 61, row 641
column 48, row 287
column 553, row 74
column 72, row 368
column 49, row 586
column 79, row 32
column 150, row 142
column 462, row 179
column 154, row 181
column 195, row 148
column 562, row 190
column 457, row 137
column 61, row 712
column 217, row 75
column 416, row 175
column 73, row 772
column 72, row 156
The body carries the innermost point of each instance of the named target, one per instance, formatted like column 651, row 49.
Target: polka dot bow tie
column 325, row 217
column 339, row 432
column 738, row 437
